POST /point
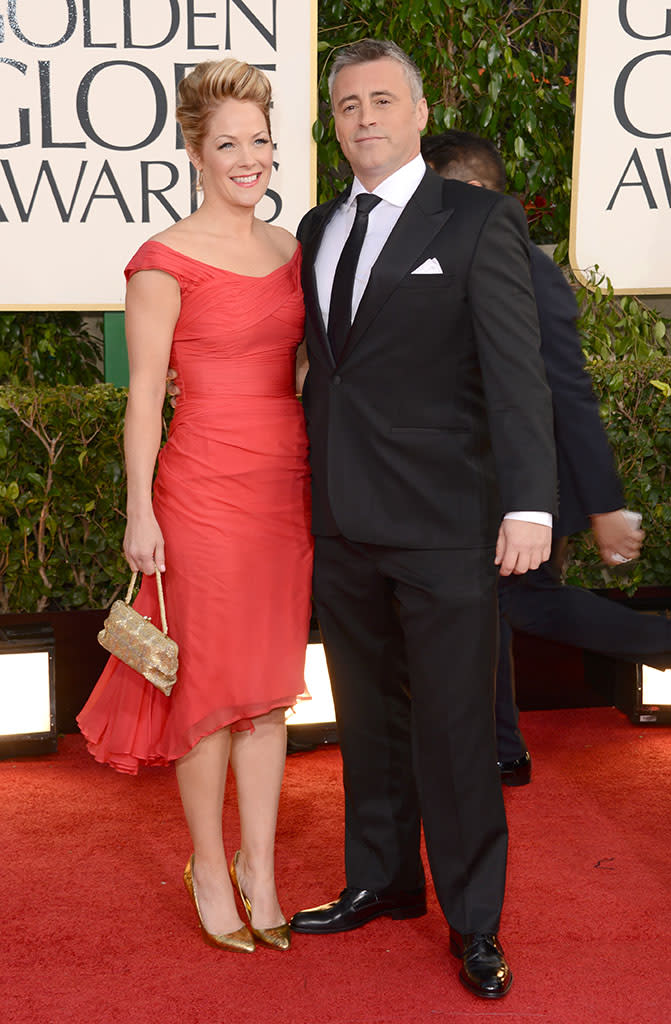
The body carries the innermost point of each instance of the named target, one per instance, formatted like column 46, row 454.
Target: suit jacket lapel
column 310, row 249
column 420, row 222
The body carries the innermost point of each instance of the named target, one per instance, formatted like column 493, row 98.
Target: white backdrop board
column 91, row 163
column 621, row 203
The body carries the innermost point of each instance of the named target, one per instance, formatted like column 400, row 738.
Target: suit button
column 337, row 379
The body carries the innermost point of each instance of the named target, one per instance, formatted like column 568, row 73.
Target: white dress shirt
column 394, row 192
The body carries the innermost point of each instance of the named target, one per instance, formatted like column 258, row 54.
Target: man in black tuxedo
column 590, row 493
column 429, row 418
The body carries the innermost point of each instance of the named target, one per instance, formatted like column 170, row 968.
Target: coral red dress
column 231, row 495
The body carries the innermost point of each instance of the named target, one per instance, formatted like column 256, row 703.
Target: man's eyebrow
column 374, row 94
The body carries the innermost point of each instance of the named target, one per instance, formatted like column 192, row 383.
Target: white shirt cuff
column 541, row 518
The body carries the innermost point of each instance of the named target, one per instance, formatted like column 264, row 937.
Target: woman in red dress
column 217, row 296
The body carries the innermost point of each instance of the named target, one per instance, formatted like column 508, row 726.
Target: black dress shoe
column 484, row 970
column 516, row 773
column 355, row 907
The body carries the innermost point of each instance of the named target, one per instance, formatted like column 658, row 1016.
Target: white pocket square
column 431, row 266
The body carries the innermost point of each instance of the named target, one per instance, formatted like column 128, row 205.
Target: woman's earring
column 199, row 181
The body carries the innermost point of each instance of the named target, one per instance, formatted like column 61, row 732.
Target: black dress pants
column 540, row 604
column 436, row 746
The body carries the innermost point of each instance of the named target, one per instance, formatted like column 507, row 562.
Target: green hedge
column 62, row 490
column 502, row 70
column 48, row 348
column 635, row 399
column 61, row 497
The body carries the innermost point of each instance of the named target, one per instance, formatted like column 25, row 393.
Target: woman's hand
column 143, row 544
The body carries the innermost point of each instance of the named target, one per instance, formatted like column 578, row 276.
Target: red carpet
column 97, row 928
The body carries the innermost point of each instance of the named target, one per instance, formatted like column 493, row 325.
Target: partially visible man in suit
column 590, row 493
column 429, row 420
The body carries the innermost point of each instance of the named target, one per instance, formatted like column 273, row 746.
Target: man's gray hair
column 367, row 50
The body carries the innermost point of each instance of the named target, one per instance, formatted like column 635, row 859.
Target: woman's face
column 237, row 154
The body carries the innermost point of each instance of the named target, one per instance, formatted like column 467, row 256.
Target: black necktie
column 340, row 310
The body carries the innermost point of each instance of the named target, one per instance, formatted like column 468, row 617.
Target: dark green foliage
column 48, row 348
column 620, row 326
column 61, row 497
column 62, row 492
column 505, row 70
column 635, row 399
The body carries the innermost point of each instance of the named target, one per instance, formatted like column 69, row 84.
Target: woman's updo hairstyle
column 208, row 84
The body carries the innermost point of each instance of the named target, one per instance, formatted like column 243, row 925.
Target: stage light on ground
column 27, row 691
column 313, row 721
column 643, row 693
column 654, row 694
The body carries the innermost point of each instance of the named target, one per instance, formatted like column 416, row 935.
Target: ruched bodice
column 232, row 498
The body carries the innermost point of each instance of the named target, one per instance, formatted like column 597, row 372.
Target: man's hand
column 522, row 546
column 616, row 536
column 171, row 388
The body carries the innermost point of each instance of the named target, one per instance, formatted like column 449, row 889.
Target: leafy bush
column 506, row 71
column 635, row 400
column 616, row 326
column 48, row 348
column 61, row 497
column 62, row 490
column 499, row 68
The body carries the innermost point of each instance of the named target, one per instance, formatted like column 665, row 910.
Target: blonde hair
column 208, row 84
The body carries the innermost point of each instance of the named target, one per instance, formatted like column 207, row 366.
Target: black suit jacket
column 588, row 481
column 437, row 417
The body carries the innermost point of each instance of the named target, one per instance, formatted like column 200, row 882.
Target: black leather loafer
column 356, row 907
column 484, row 970
column 516, row 773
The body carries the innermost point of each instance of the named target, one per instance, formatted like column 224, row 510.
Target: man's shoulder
column 548, row 277
column 543, row 260
column 471, row 203
column 317, row 215
column 322, row 210
column 460, row 194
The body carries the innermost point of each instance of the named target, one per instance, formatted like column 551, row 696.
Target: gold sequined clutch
column 133, row 639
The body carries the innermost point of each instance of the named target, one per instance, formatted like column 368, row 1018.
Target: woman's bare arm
column 152, row 308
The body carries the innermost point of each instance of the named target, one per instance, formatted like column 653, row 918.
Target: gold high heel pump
column 239, row 942
column 273, row 938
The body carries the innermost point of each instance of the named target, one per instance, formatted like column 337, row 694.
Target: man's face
column 377, row 123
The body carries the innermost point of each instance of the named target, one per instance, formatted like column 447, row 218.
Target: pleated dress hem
column 129, row 762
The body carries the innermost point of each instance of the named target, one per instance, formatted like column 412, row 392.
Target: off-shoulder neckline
column 223, row 270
